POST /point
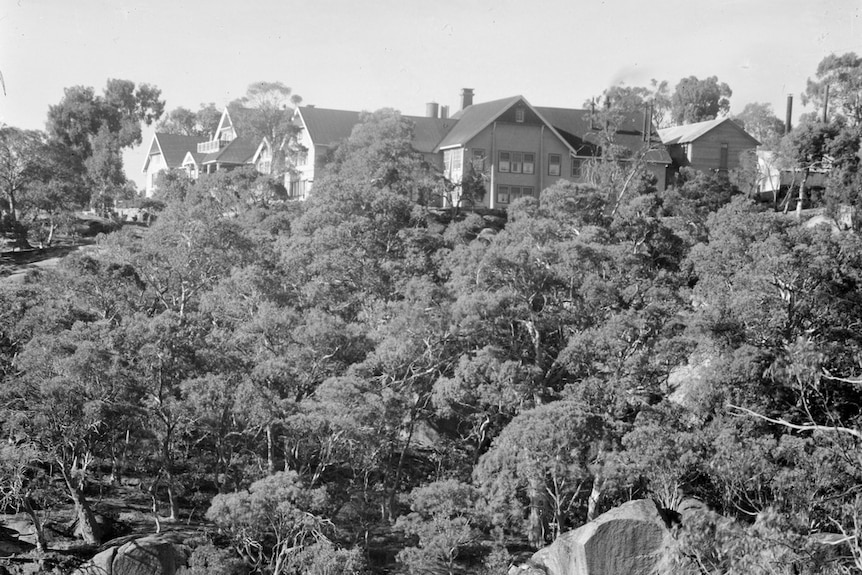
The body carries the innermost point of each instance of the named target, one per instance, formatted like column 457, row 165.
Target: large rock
column 627, row 540
column 10, row 544
column 151, row 555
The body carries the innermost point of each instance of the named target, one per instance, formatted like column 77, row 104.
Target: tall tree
column 21, row 165
column 379, row 153
column 759, row 120
column 634, row 99
column 697, row 100
column 181, row 121
column 98, row 128
column 272, row 105
column 185, row 122
column 842, row 77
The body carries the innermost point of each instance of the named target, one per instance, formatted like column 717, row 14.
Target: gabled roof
column 172, row 147
column 225, row 121
column 577, row 127
column 327, row 127
column 193, row 157
column 264, row 145
column 473, row 119
column 238, row 151
column 690, row 132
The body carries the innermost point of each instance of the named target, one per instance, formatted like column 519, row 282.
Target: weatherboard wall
column 705, row 153
column 522, row 138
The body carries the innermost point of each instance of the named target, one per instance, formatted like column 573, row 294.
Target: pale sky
column 356, row 55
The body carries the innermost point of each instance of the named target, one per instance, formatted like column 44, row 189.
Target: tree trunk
column 595, row 494
column 390, row 500
column 51, row 228
column 90, row 531
column 86, row 520
column 37, row 524
column 13, row 206
column 270, row 450
column 172, row 500
column 538, row 523
column 801, row 196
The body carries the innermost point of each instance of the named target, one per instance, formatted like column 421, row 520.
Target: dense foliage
column 360, row 383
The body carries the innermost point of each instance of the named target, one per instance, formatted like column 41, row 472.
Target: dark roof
column 575, row 126
column 327, row 127
column 238, row 151
column 197, row 157
column 427, row 132
column 691, row 132
column 174, row 147
column 473, row 119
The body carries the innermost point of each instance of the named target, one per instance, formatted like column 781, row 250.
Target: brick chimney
column 431, row 109
column 444, row 112
column 466, row 97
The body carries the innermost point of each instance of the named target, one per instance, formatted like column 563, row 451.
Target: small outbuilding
column 710, row 146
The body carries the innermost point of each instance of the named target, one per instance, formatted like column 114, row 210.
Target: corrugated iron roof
column 690, row 132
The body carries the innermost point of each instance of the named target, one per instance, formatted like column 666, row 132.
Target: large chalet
column 519, row 149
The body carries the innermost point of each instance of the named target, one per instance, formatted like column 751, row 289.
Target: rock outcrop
column 627, row 540
column 151, row 555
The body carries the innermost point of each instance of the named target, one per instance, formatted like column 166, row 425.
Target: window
column 503, row 194
column 529, row 163
column 478, row 160
column 554, row 164
column 508, row 194
column 576, row 168
column 722, row 162
column 457, row 159
column 519, row 115
column 302, row 158
column 517, row 161
column 505, row 159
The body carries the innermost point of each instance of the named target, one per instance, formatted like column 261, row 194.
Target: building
column 225, row 149
column 710, row 146
column 517, row 149
column 322, row 129
column 167, row 152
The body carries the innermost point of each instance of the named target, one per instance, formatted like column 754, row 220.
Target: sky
column 355, row 55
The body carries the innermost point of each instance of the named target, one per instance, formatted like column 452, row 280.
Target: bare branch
column 805, row 427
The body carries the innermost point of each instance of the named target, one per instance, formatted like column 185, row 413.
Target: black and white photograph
column 431, row 288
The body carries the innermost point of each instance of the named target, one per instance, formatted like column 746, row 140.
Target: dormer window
column 519, row 115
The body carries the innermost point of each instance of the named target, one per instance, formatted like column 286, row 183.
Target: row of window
column 525, row 163
column 508, row 194
column 509, row 162
column 516, row 163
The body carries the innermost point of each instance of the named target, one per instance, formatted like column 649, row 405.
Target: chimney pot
column 466, row 97
column 444, row 112
column 431, row 109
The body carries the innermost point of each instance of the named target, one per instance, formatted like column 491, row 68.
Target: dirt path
column 15, row 267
